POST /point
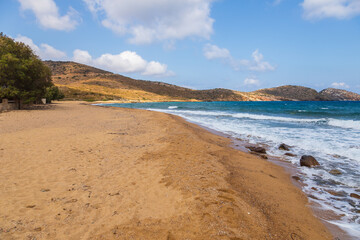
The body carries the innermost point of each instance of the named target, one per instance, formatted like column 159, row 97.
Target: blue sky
column 242, row 45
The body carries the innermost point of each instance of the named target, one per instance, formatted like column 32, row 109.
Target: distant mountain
column 82, row 82
column 292, row 93
column 333, row 94
column 298, row 93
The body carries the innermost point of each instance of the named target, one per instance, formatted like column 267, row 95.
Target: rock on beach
column 308, row 161
column 257, row 149
column 335, row 172
column 284, row 147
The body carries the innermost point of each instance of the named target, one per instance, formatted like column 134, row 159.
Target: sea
column 328, row 131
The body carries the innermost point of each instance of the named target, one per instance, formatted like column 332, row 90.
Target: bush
column 53, row 93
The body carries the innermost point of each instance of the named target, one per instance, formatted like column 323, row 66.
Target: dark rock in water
column 335, row 172
column 308, row 161
column 290, row 154
column 257, row 149
column 297, row 178
column 337, row 194
column 354, row 195
column 284, row 147
column 313, row 197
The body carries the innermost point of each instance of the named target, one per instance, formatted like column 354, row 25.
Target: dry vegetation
column 82, row 82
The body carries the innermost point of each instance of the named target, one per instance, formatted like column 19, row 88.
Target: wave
column 275, row 118
column 200, row 113
column 344, row 123
column 348, row 124
column 172, row 107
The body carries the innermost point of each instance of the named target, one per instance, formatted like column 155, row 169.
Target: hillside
column 79, row 81
column 292, row 93
column 332, row 94
column 298, row 93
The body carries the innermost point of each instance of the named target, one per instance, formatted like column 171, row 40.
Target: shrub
column 53, row 93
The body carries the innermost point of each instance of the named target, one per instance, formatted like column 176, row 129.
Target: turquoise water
column 329, row 131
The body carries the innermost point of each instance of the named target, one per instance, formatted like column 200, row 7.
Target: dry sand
column 75, row 171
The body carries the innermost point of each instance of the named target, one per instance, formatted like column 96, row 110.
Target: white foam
column 344, row 123
column 241, row 115
column 275, row 118
column 349, row 124
column 191, row 112
column 309, row 140
column 352, row 228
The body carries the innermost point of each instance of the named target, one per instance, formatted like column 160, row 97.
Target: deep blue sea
column 329, row 131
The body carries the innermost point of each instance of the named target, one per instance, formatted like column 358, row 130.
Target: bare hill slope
column 82, row 82
column 333, row 94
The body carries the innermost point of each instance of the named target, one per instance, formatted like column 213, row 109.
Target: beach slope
column 75, row 171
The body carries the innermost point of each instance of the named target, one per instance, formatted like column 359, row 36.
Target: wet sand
column 75, row 171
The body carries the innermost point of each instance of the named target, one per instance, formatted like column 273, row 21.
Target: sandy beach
column 76, row 171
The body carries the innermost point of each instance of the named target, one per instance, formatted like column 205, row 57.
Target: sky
column 201, row 44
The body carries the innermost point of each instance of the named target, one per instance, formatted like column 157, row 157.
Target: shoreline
column 322, row 214
column 88, row 173
column 327, row 216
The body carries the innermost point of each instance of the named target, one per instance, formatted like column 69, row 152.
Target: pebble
column 354, row 195
column 335, row 172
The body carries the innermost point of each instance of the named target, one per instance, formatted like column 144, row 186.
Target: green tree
column 53, row 93
column 23, row 76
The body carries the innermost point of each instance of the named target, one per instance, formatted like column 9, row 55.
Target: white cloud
column 213, row 52
column 251, row 82
column 45, row 51
column 49, row 52
column 82, row 56
column 147, row 21
column 257, row 64
column 156, row 68
column 340, row 9
column 340, row 85
column 125, row 62
column 47, row 14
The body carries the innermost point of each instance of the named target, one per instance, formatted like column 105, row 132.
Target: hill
column 298, row 93
column 292, row 93
column 79, row 81
column 332, row 94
